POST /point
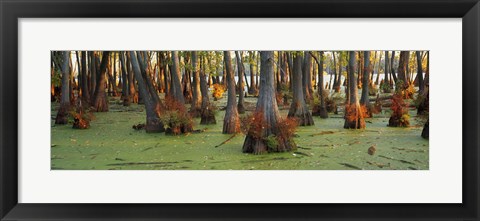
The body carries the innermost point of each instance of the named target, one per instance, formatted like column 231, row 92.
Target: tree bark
column 100, row 104
column 322, row 108
column 196, row 92
column 208, row 111
column 231, row 122
column 62, row 114
column 241, row 72
column 353, row 113
column 125, row 88
column 176, row 87
column 364, row 100
column 419, row 72
column 267, row 105
column 298, row 108
column 152, row 109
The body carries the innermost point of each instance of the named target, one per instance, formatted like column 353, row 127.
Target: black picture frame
column 12, row 10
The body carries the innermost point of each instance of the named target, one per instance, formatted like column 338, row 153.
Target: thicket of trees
column 176, row 86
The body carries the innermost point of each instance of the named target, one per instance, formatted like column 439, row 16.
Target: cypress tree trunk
column 62, row 114
column 392, row 68
column 402, row 68
column 353, row 113
column 208, row 112
column 100, row 103
column 267, row 105
column 125, row 88
column 365, row 100
column 298, row 108
column 241, row 72
column 153, row 123
column 338, row 77
column 387, row 68
column 253, row 72
column 307, row 76
column 176, row 87
column 323, row 109
column 196, row 93
column 85, row 88
column 419, row 72
column 231, row 122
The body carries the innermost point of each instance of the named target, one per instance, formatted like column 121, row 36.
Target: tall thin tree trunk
column 62, row 114
column 365, row 100
column 196, row 92
column 176, row 87
column 353, row 113
column 100, row 104
column 231, row 122
column 419, row 72
column 241, row 72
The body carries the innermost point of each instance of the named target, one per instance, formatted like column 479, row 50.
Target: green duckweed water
column 112, row 144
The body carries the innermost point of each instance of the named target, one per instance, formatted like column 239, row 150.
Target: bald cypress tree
column 62, row 114
column 354, row 118
column 298, row 108
column 231, row 122
column 100, row 103
column 258, row 141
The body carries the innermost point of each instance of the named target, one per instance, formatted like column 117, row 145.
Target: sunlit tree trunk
column 365, row 100
column 100, row 103
column 267, row 106
column 253, row 72
column 353, row 113
column 196, row 93
column 402, row 67
column 307, row 76
column 125, row 88
column 392, row 67
column 241, row 72
column 152, row 108
column 208, row 112
column 322, row 112
column 85, row 86
column 419, row 72
column 176, row 87
column 62, row 114
column 298, row 108
column 231, row 122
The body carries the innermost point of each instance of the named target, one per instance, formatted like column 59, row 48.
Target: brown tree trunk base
column 354, row 117
column 174, row 131
column 302, row 114
column 260, row 146
column 154, row 126
column 207, row 117
column 100, row 104
column 231, row 125
column 425, row 130
column 240, row 108
column 320, row 111
column 395, row 121
column 62, row 115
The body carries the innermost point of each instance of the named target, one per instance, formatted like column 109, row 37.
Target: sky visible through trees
column 240, row 110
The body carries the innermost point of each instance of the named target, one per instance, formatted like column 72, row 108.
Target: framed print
column 239, row 110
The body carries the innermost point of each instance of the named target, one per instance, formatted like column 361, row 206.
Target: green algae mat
column 111, row 144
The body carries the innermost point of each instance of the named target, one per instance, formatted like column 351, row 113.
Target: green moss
column 112, row 144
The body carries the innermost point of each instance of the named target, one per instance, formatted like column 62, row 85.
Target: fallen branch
column 226, row 141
